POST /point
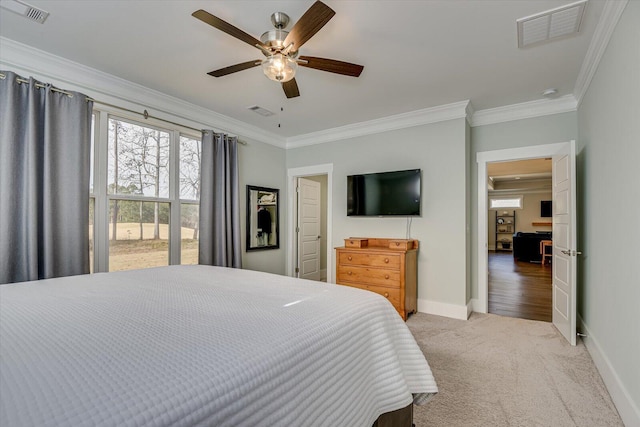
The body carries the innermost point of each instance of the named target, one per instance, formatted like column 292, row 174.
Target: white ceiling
column 416, row 54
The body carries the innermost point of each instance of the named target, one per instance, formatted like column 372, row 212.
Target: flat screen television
column 545, row 208
column 384, row 193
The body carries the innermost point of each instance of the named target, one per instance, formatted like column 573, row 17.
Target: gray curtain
column 220, row 242
column 44, row 181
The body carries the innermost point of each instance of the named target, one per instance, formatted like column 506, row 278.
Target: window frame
column 102, row 198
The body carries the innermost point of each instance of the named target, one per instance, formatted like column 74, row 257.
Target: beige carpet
column 500, row 371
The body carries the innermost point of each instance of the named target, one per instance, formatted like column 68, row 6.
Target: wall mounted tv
column 384, row 193
column 545, row 209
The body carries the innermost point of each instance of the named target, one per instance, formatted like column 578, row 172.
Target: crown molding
column 611, row 14
column 115, row 90
column 425, row 116
column 525, row 110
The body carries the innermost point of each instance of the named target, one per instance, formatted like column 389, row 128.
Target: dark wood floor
column 519, row 289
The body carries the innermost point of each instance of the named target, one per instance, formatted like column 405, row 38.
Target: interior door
column 308, row 229
column 564, row 241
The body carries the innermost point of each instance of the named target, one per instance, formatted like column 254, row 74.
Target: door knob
column 571, row 253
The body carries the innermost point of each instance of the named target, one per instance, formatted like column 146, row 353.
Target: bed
column 200, row 345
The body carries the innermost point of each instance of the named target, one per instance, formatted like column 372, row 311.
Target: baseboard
column 625, row 405
column 469, row 308
column 475, row 306
column 444, row 309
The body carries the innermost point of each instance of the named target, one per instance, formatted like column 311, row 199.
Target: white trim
column 108, row 88
column 611, row 13
column 292, row 174
column 453, row 311
column 525, row 110
column 627, row 408
column 425, row 116
column 484, row 157
column 475, row 305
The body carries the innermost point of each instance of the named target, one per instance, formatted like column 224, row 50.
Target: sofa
column 526, row 246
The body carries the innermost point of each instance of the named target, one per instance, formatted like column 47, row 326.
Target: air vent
column 550, row 24
column 262, row 111
column 21, row 8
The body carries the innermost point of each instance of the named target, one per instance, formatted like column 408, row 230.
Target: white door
column 564, row 241
column 308, row 229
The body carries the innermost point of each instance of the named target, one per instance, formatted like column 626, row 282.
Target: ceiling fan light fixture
column 279, row 67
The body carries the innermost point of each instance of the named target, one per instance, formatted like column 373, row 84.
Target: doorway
column 564, row 283
column 309, row 249
column 483, row 159
column 311, row 227
column 519, row 283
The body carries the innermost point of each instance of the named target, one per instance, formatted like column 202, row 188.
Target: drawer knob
column 351, row 242
column 349, row 273
column 349, row 257
column 386, row 260
column 397, row 243
column 386, row 294
column 386, row 276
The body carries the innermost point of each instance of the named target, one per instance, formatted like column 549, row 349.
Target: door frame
column 482, row 158
column 292, row 176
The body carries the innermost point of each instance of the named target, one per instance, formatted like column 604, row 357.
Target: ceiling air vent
column 550, row 24
column 262, row 111
column 21, row 8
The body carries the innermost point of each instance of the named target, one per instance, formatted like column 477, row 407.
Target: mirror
column 262, row 218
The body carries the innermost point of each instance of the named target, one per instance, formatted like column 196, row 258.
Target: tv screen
column 545, row 208
column 385, row 193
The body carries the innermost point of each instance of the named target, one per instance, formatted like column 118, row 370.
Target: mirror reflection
column 262, row 218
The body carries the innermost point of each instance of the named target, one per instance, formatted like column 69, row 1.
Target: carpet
column 500, row 371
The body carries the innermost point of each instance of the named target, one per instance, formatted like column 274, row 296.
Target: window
column 513, row 202
column 190, row 156
column 146, row 196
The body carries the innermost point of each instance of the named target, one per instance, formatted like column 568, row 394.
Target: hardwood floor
column 519, row 289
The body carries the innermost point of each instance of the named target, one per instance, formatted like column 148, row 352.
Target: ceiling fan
column 281, row 47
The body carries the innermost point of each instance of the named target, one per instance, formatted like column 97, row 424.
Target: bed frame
column 402, row 417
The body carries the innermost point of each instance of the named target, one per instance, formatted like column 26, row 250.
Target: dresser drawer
column 368, row 276
column 393, row 295
column 391, row 261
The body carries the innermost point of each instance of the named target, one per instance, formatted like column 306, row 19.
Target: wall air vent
column 550, row 24
column 21, row 8
column 262, row 111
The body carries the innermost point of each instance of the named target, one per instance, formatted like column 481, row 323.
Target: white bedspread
column 197, row 345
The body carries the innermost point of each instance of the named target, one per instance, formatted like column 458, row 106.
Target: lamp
column 279, row 67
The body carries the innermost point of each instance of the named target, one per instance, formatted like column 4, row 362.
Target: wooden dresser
column 384, row 266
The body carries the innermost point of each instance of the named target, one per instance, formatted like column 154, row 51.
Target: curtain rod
column 144, row 114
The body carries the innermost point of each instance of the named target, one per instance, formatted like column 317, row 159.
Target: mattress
column 200, row 345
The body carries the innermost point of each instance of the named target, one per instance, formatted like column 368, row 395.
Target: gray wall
column 263, row 165
column 609, row 207
column 439, row 150
column 515, row 134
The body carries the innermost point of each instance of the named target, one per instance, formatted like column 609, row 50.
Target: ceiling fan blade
column 291, row 88
column 224, row 26
column 332, row 66
column 310, row 23
column 234, row 68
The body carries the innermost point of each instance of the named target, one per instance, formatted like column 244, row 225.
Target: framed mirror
column 262, row 218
